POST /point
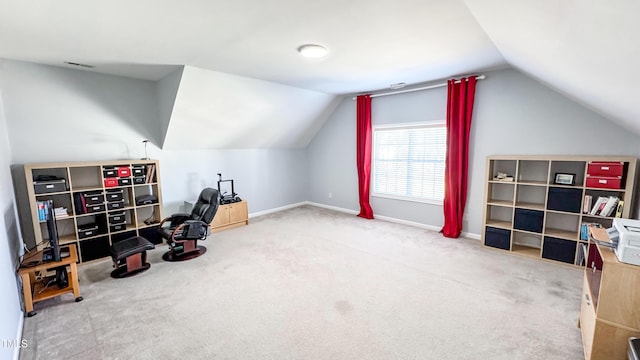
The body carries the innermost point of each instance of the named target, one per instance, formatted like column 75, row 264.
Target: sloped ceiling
column 584, row 49
column 587, row 50
column 216, row 110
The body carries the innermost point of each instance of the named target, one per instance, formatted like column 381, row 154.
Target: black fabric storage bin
column 497, row 238
column 563, row 199
column 528, row 220
column 152, row 234
column 559, row 249
column 95, row 248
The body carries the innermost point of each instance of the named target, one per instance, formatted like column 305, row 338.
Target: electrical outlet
column 330, row 195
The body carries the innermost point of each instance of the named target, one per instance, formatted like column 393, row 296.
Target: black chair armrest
column 175, row 220
column 190, row 230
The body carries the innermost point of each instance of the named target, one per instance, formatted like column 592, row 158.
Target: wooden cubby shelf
column 537, row 208
column 111, row 186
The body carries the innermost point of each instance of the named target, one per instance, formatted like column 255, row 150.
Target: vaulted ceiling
column 584, row 49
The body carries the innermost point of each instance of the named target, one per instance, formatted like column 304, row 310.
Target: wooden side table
column 35, row 291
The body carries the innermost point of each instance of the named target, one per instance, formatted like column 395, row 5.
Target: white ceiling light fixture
column 313, row 51
column 397, row 86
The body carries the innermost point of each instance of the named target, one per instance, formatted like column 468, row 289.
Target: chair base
column 171, row 255
column 122, row 272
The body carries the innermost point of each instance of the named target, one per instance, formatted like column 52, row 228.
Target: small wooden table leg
column 74, row 280
column 26, row 291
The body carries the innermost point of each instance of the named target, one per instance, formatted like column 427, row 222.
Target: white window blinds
column 408, row 162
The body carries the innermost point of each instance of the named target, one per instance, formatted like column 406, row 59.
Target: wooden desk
column 35, row 291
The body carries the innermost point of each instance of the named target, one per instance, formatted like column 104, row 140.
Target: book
column 609, row 206
column 41, row 211
column 619, row 209
column 586, row 205
column 60, row 212
column 582, row 251
column 151, row 171
column 602, row 200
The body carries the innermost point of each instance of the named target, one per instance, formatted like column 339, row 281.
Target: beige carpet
column 310, row 283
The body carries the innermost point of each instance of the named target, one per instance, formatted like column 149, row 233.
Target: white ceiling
column 372, row 43
column 585, row 49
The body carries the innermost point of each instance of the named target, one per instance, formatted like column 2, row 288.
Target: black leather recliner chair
column 182, row 231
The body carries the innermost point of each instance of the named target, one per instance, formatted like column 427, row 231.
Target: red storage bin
column 609, row 169
column 604, row 182
column 110, row 182
column 124, row 171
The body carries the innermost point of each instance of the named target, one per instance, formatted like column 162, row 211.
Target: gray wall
column 267, row 179
column 10, row 246
column 513, row 114
column 56, row 114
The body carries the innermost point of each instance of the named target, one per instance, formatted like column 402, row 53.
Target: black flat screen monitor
column 53, row 231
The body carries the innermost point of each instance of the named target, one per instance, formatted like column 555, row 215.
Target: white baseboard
column 348, row 211
column 392, row 219
column 16, row 351
column 355, row 212
column 471, row 236
column 281, row 208
column 407, row 222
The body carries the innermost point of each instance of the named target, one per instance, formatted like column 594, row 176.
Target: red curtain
column 363, row 153
column 459, row 109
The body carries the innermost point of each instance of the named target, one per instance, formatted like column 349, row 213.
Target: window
column 408, row 161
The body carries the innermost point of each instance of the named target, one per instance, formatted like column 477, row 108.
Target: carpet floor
column 311, row 283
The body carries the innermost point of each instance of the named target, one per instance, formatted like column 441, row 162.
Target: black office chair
column 182, row 231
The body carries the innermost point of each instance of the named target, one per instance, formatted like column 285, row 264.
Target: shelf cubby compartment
column 152, row 233
column 533, row 171
column 526, row 243
column 91, row 226
column 575, row 168
column 145, row 189
column 59, row 200
column 497, row 238
column 501, row 194
column 149, row 213
column 85, row 178
column 562, row 225
column 57, row 172
column 124, row 235
column 499, row 216
column 559, row 249
column 65, row 227
column 528, row 220
column 565, row 199
column 95, row 248
column 530, row 197
column 502, row 166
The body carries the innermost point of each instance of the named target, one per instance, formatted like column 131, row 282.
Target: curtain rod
column 478, row 77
